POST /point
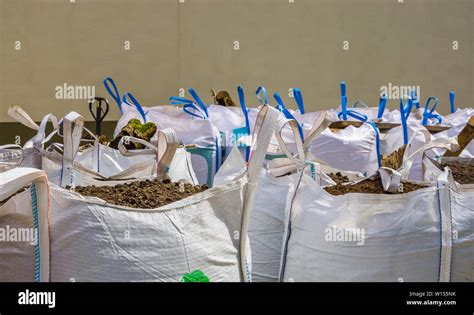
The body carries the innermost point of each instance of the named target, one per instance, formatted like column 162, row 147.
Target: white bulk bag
column 350, row 149
column 199, row 133
column 63, row 168
column 461, row 201
column 192, row 126
column 431, row 166
column 92, row 240
column 454, row 131
column 459, row 117
column 24, row 226
column 105, row 161
column 371, row 237
column 231, row 123
column 393, row 139
column 420, row 149
column 11, row 156
column 34, row 147
column 267, row 218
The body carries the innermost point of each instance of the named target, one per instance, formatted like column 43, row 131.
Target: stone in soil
column 371, row 185
column 463, row 173
column 395, row 159
column 148, row 194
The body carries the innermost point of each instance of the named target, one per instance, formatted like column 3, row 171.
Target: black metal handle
column 99, row 113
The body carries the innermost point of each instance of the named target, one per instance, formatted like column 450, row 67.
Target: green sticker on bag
column 195, row 276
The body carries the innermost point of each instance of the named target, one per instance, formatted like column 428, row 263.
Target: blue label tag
column 241, row 137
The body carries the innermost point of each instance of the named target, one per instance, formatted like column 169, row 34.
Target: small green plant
column 135, row 128
column 195, row 276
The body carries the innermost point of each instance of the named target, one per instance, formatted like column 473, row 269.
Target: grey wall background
column 177, row 45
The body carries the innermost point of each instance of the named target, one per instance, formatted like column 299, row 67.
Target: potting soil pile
column 395, row 159
column 148, row 194
column 371, row 185
column 338, row 178
column 463, row 173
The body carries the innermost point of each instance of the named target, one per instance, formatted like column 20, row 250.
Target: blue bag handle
column 115, row 93
column 262, row 89
column 451, row 101
column 408, row 106
column 382, row 105
column 240, row 90
column 189, row 107
column 354, row 114
column 359, row 102
column 403, row 118
column 415, row 99
column 281, row 107
column 198, row 101
column 428, row 112
column 175, row 100
column 192, row 108
column 343, row 100
column 377, row 142
column 299, row 99
column 135, row 103
column 364, row 119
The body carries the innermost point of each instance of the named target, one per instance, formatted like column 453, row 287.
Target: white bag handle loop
column 300, row 160
column 391, row 179
column 262, row 134
column 73, row 124
column 40, row 139
column 151, row 149
column 320, row 124
column 261, row 137
column 444, row 143
column 18, row 114
column 281, row 166
column 168, row 143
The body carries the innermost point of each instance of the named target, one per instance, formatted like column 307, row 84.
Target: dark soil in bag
column 463, row 173
column 395, row 159
column 2, row 202
column 148, row 194
column 371, row 185
column 338, row 178
column 464, row 138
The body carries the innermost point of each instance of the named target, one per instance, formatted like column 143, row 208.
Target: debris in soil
column 18, row 192
column 338, row 178
column 463, row 173
column 395, row 159
column 148, row 194
column 102, row 140
column 371, row 185
column 222, row 98
column 135, row 128
column 464, row 138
